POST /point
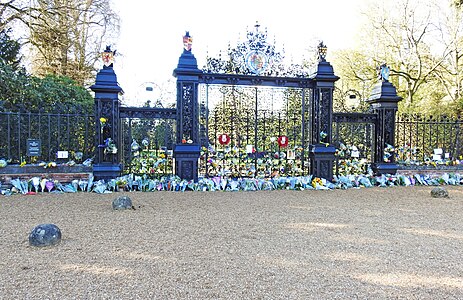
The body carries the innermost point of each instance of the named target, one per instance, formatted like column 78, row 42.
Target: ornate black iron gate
column 114, row 137
column 253, row 64
column 254, row 131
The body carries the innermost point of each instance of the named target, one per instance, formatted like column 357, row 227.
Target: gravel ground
column 377, row 243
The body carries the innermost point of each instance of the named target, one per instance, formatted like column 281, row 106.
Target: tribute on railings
column 187, row 147
column 321, row 150
column 384, row 102
column 107, row 163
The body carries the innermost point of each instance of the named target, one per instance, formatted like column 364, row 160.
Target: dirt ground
column 368, row 243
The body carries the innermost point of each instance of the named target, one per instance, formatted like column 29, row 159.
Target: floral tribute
column 224, row 139
column 230, row 168
column 149, row 161
column 173, row 183
column 233, row 162
column 349, row 161
column 283, row 141
column 109, row 146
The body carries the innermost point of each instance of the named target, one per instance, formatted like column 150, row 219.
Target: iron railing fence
column 53, row 131
column 253, row 149
column 421, row 138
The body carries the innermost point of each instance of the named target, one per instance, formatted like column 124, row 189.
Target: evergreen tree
column 9, row 50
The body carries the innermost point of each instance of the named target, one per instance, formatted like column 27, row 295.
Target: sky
column 150, row 41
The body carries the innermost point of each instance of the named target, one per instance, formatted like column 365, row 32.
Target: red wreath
column 283, row 141
column 224, row 139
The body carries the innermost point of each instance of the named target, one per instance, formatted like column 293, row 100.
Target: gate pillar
column 321, row 150
column 187, row 147
column 384, row 102
column 107, row 158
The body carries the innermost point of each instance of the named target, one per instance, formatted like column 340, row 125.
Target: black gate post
column 107, row 159
column 384, row 102
column 187, row 147
column 321, row 151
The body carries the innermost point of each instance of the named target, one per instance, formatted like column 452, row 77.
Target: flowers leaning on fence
column 109, row 146
column 389, row 153
column 349, row 162
column 103, row 122
column 152, row 162
column 233, row 162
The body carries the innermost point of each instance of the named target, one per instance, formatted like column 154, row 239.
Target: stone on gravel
column 122, row 202
column 45, row 235
column 439, row 192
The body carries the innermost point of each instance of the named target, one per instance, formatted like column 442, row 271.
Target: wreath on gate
column 283, row 141
column 224, row 139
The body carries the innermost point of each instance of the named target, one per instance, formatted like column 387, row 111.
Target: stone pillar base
column 322, row 161
column 186, row 161
column 107, row 171
column 384, row 168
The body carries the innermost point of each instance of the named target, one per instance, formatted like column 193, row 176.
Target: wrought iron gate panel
column 147, row 138
column 354, row 136
column 253, row 118
column 147, row 146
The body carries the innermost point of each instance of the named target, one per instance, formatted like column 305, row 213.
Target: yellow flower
column 23, row 164
column 317, row 181
column 51, row 164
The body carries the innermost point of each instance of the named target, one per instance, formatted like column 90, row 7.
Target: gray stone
column 439, row 192
column 122, row 202
column 45, row 235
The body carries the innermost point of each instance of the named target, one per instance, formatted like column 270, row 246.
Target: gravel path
column 377, row 243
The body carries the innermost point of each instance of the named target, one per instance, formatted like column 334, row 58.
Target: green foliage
column 9, row 50
column 426, row 65
column 20, row 91
column 62, row 93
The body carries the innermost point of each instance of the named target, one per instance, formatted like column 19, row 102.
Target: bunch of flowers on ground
column 174, row 183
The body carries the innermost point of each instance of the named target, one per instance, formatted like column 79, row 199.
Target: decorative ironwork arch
column 254, row 56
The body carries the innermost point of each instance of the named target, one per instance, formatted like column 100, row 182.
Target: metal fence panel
column 417, row 136
column 56, row 132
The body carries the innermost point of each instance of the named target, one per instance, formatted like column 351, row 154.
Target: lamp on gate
column 148, row 93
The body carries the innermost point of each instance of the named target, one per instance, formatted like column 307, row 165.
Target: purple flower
column 49, row 185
